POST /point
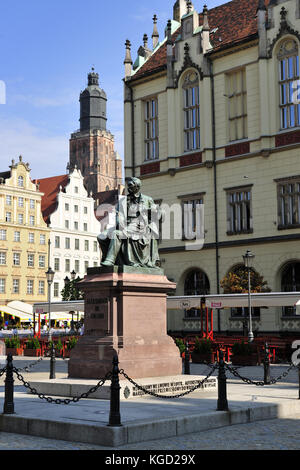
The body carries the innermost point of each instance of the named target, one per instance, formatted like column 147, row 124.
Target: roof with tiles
column 51, row 187
column 230, row 24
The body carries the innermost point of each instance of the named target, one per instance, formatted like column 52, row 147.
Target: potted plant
column 32, row 347
column 181, row 346
column 58, row 348
column 203, row 351
column 13, row 346
column 70, row 344
column 244, row 354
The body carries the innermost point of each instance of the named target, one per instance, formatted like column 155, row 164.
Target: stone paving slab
column 149, row 418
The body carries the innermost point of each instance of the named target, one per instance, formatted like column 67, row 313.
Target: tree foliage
column 236, row 282
column 71, row 291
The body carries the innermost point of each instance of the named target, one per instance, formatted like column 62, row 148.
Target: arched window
column 191, row 111
column 20, row 181
column 288, row 58
column 290, row 282
column 196, row 283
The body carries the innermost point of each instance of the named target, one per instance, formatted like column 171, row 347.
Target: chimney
column 128, row 60
column 155, row 35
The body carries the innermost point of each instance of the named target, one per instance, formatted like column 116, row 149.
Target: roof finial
column 155, row 35
column 128, row 60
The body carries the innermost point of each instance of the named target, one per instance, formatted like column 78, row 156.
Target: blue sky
column 46, row 50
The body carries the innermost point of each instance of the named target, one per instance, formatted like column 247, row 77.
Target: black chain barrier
column 149, row 392
column 29, row 366
column 64, row 401
column 259, row 383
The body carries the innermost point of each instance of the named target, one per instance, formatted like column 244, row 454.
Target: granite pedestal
column 125, row 314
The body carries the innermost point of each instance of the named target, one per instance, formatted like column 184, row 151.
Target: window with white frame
column 239, row 212
column 42, row 261
column 17, row 236
column 20, row 219
column 67, row 243
column 16, row 259
column 20, row 181
column 20, row 202
column 191, row 111
column 237, row 105
column 29, row 286
column 289, row 104
column 41, row 287
column 8, row 217
column 56, row 264
column 2, row 257
column 151, row 129
column 67, row 265
column 2, row 234
column 56, row 289
column 30, row 237
column 31, row 220
column 288, row 194
column 30, row 260
column 32, row 204
column 2, row 286
column 57, row 242
column 16, row 286
column 8, row 200
column 191, row 214
column 42, row 239
column 77, row 265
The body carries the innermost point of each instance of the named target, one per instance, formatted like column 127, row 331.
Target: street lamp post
column 248, row 260
column 50, row 276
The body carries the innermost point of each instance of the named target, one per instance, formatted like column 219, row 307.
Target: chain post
column 8, row 407
column 52, row 362
column 114, row 414
column 267, row 377
column 187, row 359
column 222, row 393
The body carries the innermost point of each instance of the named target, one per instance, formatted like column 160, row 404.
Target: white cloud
column 47, row 155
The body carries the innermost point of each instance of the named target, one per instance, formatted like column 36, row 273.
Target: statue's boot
column 107, row 263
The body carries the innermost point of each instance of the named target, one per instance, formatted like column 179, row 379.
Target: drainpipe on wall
column 215, row 181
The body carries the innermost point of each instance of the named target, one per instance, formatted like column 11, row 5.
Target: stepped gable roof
column 51, row 187
column 230, row 24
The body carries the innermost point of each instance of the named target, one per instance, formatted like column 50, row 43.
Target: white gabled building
column 69, row 212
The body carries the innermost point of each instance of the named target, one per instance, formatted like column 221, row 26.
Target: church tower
column 92, row 146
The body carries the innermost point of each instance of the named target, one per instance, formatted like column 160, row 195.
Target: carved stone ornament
column 187, row 63
column 283, row 30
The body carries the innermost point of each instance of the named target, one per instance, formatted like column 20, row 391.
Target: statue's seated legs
column 110, row 248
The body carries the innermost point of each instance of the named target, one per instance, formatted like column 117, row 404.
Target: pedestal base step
column 170, row 385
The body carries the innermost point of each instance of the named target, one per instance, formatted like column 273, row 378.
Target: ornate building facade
column 212, row 115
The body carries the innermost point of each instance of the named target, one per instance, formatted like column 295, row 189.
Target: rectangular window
column 8, row 200
column 191, row 113
column 77, row 265
column 85, row 227
column 56, row 289
column 2, row 286
column 67, row 266
column 2, row 258
column 86, row 245
column 42, row 239
column 289, row 203
column 191, row 216
column 95, row 247
column 86, row 265
column 20, row 219
column 16, row 259
column 76, row 243
column 41, row 287
column 17, row 236
column 237, row 105
column 30, row 260
column 85, row 210
column 29, row 286
column 75, row 208
column 31, row 220
column 151, row 129
column 20, row 202
column 67, row 243
column 30, row 237
column 42, row 261
column 16, row 286
column 8, row 216
column 67, row 207
column 2, row 234
column 239, row 213
column 32, row 203
column 67, row 224
column 57, row 242
column 75, row 225
column 56, row 264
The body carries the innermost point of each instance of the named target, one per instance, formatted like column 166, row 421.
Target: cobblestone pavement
column 277, row 434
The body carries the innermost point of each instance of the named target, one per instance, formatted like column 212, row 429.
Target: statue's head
column 134, row 185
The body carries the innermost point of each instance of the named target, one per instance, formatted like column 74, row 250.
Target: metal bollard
column 52, row 362
column 114, row 414
column 267, row 377
column 8, row 407
column 222, row 392
column 187, row 359
column 299, row 378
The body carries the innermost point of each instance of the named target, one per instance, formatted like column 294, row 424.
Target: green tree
column 71, row 291
column 236, row 281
